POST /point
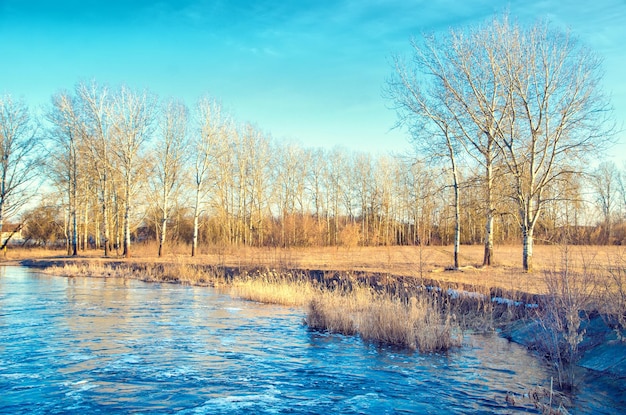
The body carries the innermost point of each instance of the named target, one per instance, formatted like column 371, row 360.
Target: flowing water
column 86, row 345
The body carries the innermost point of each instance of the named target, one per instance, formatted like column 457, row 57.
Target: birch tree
column 529, row 96
column 427, row 109
column 557, row 119
column 19, row 156
column 95, row 101
column 464, row 68
column 258, row 178
column 133, row 115
column 604, row 183
column 67, row 136
column 364, row 183
column 621, row 193
column 315, row 173
column 252, row 161
column 289, row 183
column 478, row 102
column 170, row 156
column 334, row 190
column 208, row 145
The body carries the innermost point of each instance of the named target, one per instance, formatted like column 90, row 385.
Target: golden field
column 431, row 262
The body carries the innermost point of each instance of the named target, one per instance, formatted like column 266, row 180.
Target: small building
column 12, row 231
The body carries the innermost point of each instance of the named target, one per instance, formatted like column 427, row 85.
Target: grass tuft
column 419, row 324
column 274, row 287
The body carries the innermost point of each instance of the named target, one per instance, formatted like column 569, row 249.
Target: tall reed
column 270, row 286
column 417, row 324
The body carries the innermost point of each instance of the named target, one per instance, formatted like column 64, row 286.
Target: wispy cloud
column 318, row 59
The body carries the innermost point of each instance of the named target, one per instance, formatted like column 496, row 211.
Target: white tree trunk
column 196, row 215
column 127, row 218
column 457, row 204
column 127, row 231
column 74, row 200
column 105, row 218
column 527, row 254
column 488, row 257
column 163, row 231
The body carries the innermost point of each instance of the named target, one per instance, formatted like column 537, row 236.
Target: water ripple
column 94, row 345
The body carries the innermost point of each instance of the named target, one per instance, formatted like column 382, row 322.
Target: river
column 88, row 345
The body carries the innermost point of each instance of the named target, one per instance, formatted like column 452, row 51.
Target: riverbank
column 425, row 262
column 601, row 349
column 468, row 299
column 404, row 311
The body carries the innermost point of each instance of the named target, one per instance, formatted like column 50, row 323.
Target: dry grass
column 428, row 262
column 419, row 324
column 285, row 288
column 86, row 269
column 274, row 287
column 580, row 285
column 176, row 272
column 336, row 310
column 14, row 253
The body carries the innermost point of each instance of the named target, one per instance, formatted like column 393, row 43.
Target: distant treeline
column 123, row 166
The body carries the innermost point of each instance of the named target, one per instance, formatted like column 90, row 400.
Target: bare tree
column 462, row 70
column 289, row 183
column 208, row 145
column 621, row 183
column 527, row 95
column 132, row 114
column 19, row 156
column 558, row 116
column 96, row 102
column 258, row 180
column 252, row 160
column 170, row 157
column 363, row 187
column 605, row 185
column 67, row 135
column 479, row 103
column 333, row 184
column 427, row 109
column 315, row 171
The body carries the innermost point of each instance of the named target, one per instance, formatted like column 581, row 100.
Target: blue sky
column 310, row 71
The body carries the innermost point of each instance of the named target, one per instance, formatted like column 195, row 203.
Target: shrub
column 614, row 295
column 570, row 296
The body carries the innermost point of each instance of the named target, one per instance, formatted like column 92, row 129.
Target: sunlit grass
column 85, row 269
column 417, row 324
column 274, row 287
column 336, row 311
column 422, row 262
column 176, row 272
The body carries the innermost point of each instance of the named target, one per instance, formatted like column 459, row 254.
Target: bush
column 570, row 296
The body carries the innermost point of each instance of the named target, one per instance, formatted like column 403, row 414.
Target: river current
column 87, row 345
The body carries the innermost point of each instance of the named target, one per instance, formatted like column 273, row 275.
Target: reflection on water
column 88, row 345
